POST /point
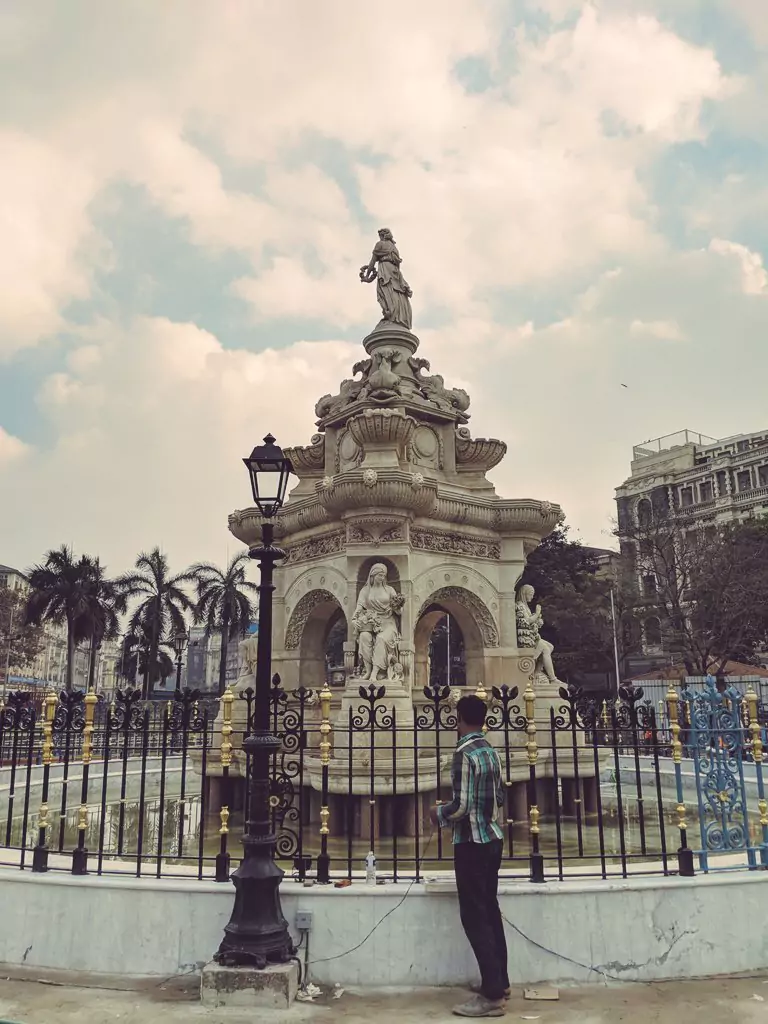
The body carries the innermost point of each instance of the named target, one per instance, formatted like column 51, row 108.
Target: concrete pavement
column 720, row 1001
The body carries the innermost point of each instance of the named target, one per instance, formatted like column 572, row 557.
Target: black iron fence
column 593, row 789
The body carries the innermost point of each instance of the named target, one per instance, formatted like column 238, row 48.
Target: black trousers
column 477, row 881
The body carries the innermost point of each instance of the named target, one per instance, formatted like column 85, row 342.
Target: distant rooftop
column 7, row 568
column 676, row 440
column 701, row 441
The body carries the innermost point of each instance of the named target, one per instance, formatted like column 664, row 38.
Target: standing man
column 478, row 797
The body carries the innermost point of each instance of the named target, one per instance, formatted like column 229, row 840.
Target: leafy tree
column 162, row 605
column 59, row 592
column 576, row 603
column 20, row 643
column 707, row 585
column 224, row 603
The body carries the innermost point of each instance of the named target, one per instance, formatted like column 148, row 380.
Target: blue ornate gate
column 718, row 734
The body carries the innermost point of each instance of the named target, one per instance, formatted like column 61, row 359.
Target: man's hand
column 433, row 815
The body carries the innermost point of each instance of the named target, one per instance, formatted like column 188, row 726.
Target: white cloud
column 533, row 195
column 49, row 248
column 11, row 448
column 522, row 182
column 754, row 278
column 151, row 422
column 665, row 330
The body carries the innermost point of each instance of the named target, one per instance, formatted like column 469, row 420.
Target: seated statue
column 376, row 627
column 529, row 637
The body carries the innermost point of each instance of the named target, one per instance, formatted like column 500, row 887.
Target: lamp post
column 180, row 641
column 257, row 932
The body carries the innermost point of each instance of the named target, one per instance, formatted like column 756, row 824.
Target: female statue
column 529, row 625
column 375, row 624
column 392, row 290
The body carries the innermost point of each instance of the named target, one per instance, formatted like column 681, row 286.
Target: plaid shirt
column 478, row 792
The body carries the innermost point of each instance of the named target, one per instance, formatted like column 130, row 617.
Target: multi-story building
column 49, row 667
column 712, row 481
column 687, row 473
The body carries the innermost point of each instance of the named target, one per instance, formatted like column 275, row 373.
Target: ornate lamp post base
column 257, row 933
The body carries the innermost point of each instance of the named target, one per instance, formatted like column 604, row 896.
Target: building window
column 705, row 491
column 686, row 496
column 644, row 513
column 653, row 632
column 762, row 475
column 744, row 479
column 646, row 547
column 649, row 585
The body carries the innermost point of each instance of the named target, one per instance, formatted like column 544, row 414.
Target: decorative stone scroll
column 479, row 612
column 301, row 613
column 454, row 543
column 316, row 547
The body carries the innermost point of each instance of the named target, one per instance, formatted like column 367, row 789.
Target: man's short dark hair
column 471, row 711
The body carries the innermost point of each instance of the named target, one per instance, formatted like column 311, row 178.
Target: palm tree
column 224, row 603
column 160, row 612
column 134, row 658
column 59, row 592
column 105, row 602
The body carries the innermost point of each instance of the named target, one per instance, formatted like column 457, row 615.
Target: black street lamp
column 180, row 641
column 257, row 932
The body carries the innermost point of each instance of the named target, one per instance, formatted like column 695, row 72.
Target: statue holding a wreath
column 392, row 290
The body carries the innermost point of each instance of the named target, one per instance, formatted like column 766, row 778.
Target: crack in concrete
column 617, row 966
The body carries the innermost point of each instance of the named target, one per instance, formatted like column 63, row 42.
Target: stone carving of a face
column 385, row 235
column 527, row 593
column 378, row 575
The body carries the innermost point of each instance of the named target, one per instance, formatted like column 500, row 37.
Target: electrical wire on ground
column 389, row 913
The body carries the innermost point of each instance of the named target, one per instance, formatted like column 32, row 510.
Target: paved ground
column 704, row 1002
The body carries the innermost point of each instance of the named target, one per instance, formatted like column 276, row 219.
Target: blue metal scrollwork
column 716, row 739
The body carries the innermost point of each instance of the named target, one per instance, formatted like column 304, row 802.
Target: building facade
column 709, row 482
column 49, row 667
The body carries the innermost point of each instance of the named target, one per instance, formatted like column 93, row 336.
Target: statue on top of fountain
column 392, row 290
column 376, row 627
column 529, row 623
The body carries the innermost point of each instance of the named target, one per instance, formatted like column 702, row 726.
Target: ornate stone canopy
column 394, row 471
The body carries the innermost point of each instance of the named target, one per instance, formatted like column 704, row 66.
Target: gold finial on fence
column 224, row 815
column 534, row 816
column 672, row 705
column 91, row 700
column 481, row 692
column 530, row 712
column 42, row 817
column 325, row 815
column 325, row 724
column 49, row 713
column 227, row 700
column 82, row 818
column 753, row 721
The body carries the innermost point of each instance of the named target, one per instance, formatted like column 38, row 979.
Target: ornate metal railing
column 593, row 788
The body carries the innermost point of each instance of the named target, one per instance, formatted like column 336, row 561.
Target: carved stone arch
column 471, row 603
column 452, row 574
column 307, row 633
column 317, row 577
column 308, row 607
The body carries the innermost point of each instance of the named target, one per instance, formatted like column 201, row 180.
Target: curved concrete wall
column 638, row 929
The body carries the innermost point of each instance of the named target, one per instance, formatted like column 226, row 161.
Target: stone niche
column 394, row 478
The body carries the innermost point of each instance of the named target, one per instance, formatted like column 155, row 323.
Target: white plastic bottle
column 370, row 869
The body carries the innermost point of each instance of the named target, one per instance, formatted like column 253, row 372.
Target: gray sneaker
column 479, row 1006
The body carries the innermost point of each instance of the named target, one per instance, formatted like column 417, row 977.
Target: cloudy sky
column 187, row 189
